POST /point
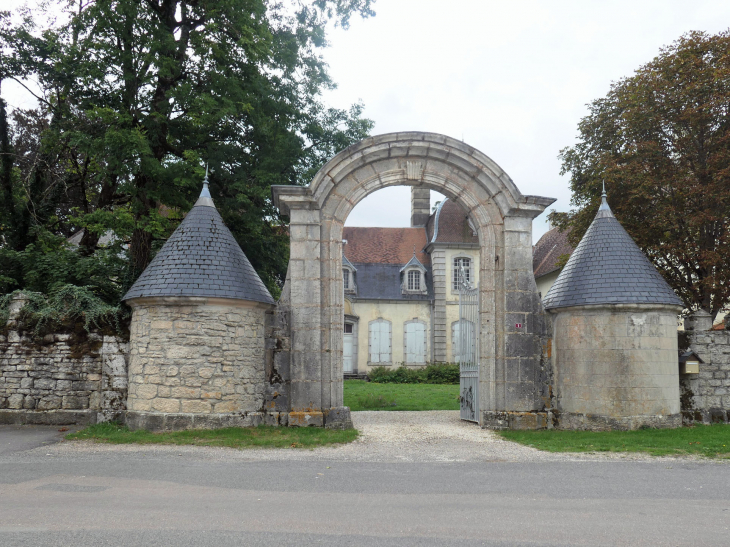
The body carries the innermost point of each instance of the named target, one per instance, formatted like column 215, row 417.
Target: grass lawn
column 712, row 441
column 232, row 437
column 362, row 395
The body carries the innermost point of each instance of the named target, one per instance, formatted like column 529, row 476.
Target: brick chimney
column 420, row 206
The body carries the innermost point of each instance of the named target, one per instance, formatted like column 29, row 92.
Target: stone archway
column 510, row 355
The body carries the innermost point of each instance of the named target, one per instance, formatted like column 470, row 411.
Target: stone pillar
column 524, row 324
column 420, row 206
column 305, row 285
column 699, row 320
column 439, row 271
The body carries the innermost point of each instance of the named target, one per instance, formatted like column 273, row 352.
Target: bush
column 436, row 373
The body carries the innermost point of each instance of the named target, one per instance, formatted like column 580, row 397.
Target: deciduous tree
column 661, row 141
column 137, row 95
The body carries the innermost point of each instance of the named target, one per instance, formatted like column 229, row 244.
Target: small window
column 414, row 280
column 346, row 278
column 348, row 328
column 460, row 263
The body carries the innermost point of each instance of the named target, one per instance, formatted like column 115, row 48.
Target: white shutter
column 415, row 334
column 384, row 342
column 347, row 353
column 420, row 336
column 410, row 343
column 375, row 342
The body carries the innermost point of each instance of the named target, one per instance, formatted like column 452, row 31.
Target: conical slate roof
column 607, row 267
column 201, row 258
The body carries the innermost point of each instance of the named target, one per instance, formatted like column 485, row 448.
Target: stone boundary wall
column 706, row 396
column 76, row 378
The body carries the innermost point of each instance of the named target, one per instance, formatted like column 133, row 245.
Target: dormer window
column 346, row 278
column 414, row 277
column 414, row 280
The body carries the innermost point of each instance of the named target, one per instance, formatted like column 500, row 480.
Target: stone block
column 49, row 402
column 165, row 405
column 306, row 419
column 185, row 392
column 16, row 401
column 195, row 407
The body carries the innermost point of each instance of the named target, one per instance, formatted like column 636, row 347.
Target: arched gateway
column 512, row 371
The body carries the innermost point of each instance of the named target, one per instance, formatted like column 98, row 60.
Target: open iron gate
column 468, row 348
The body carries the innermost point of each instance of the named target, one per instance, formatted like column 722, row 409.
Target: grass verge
column 362, row 395
column 712, row 441
column 232, row 437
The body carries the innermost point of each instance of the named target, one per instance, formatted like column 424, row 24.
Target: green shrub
column 436, row 373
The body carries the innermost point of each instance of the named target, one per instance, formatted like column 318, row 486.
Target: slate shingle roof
column 607, row 267
column 201, row 258
column 383, row 282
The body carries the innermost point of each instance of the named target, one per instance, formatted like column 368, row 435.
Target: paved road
column 167, row 496
column 16, row 438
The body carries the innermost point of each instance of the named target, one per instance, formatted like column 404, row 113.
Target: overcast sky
column 510, row 78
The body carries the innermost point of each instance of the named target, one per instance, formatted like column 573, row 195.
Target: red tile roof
column 548, row 250
column 384, row 245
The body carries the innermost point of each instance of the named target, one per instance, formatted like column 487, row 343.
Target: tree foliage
column 136, row 96
column 661, row 141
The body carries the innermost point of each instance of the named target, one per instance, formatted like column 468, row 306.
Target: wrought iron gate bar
column 468, row 348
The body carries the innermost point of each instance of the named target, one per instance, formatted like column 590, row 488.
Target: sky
column 510, row 78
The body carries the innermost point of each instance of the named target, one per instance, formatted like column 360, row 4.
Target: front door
column 347, row 349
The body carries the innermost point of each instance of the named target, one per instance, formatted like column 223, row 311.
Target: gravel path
column 431, row 436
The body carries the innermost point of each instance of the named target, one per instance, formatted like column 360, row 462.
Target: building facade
column 400, row 285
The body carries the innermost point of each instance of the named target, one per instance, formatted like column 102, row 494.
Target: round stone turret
column 614, row 335
column 197, row 332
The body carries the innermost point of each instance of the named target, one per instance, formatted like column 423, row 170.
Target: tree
column 137, row 95
column 661, row 141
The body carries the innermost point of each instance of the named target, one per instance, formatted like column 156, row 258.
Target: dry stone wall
column 196, row 357
column 62, row 378
column 706, row 396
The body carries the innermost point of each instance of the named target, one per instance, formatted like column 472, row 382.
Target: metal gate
column 468, row 348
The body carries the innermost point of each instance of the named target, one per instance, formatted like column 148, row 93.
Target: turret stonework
column 197, row 335
column 614, row 335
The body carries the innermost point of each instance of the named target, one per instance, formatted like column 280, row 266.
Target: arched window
column 380, row 335
column 459, row 263
column 414, row 280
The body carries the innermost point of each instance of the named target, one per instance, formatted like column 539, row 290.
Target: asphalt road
column 192, row 496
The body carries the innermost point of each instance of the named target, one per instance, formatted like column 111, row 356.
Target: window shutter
column 384, row 342
column 374, row 342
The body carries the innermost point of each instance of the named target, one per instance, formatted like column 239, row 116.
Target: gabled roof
column 347, row 263
column 384, row 245
column 607, row 267
column 547, row 251
column 450, row 224
column 201, row 258
column 413, row 262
